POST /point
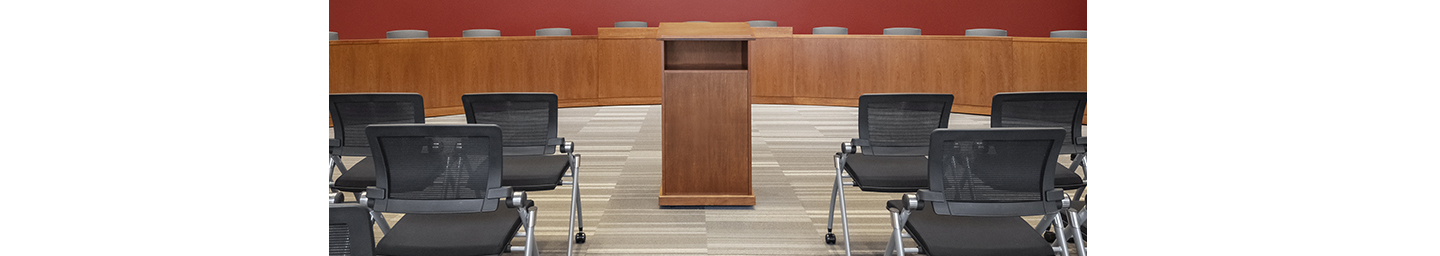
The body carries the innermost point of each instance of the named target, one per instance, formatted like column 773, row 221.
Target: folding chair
column 351, row 113
column 1049, row 109
column 894, row 134
column 350, row 232
column 530, row 124
column 446, row 179
column 981, row 183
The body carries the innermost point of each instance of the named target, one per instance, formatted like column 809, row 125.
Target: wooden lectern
column 705, row 105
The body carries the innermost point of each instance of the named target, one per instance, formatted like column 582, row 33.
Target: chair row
column 451, row 179
column 971, row 186
column 967, row 178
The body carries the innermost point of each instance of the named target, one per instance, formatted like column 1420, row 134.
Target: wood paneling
column 705, row 143
column 1045, row 64
column 623, row 66
column 442, row 69
column 771, row 70
column 629, row 68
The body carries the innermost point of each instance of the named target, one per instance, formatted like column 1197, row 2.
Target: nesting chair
column 1064, row 110
column 530, row 125
column 894, row 138
column 980, row 184
column 351, row 113
column 350, row 232
column 446, row 179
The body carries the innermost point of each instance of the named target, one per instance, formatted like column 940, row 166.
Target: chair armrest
column 1055, row 195
column 368, row 197
column 860, row 142
column 567, row 147
column 517, row 199
column 912, row 202
column 498, row 193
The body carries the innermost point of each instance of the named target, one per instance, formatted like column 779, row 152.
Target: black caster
column 580, row 238
column 1050, row 236
column 829, row 238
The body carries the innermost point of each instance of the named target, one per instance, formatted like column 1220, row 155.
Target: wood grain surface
column 622, row 66
column 705, row 136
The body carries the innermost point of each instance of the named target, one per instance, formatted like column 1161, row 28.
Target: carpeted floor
column 792, row 174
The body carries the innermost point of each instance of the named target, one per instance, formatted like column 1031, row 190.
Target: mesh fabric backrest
column 903, row 123
column 350, row 230
column 355, row 116
column 340, row 239
column 994, row 170
column 437, row 168
column 1040, row 113
column 522, row 123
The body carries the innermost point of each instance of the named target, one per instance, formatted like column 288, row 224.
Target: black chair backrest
column 1039, row 109
column 351, row 112
column 436, row 168
column 994, row 172
column 529, row 121
column 900, row 124
column 350, row 233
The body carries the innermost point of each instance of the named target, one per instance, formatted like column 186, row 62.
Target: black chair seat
column 356, row 178
column 451, row 234
column 534, row 173
column 979, row 236
column 1066, row 179
column 888, row 173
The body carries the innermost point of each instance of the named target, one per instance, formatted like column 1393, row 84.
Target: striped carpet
column 792, row 173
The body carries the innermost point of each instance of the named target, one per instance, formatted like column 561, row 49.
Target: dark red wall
column 360, row 19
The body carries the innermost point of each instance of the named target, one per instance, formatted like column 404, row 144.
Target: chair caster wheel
column 579, row 238
column 1050, row 236
column 829, row 238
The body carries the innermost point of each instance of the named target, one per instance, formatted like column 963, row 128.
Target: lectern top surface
column 701, row 31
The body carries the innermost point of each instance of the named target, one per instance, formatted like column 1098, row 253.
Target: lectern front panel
column 706, row 138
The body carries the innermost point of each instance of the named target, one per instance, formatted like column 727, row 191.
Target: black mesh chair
column 1048, row 109
column 446, row 179
column 351, row 113
column 981, row 183
column 531, row 127
column 350, row 233
column 894, row 135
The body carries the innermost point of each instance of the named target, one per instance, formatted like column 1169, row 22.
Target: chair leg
column 844, row 217
column 899, row 245
column 1075, row 231
column 579, row 210
column 1060, row 235
column 380, row 220
column 530, row 248
column 574, row 204
column 830, row 220
column 336, row 163
column 1044, row 224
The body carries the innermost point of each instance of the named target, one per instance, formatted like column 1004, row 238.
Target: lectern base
column 694, row 200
